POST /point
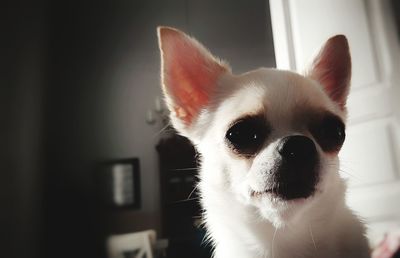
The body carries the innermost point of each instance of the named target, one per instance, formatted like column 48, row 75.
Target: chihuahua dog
column 269, row 142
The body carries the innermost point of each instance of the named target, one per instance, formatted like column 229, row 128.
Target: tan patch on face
column 304, row 116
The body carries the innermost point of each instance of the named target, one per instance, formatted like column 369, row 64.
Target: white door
column 370, row 156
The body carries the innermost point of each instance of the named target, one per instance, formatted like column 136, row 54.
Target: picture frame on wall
column 118, row 183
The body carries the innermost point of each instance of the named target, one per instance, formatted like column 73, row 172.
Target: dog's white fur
column 241, row 225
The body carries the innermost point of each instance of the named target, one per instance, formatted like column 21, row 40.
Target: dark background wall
column 22, row 61
column 77, row 79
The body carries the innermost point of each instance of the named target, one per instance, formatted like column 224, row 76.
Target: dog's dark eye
column 247, row 135
column 329, row 132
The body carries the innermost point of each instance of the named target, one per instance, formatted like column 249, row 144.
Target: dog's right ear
column 189, row 75
column 332, row 69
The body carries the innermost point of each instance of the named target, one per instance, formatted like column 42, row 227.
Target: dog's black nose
column 296, row 172
column 298, row 148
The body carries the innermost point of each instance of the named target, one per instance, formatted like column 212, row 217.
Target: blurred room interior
column 81, row 99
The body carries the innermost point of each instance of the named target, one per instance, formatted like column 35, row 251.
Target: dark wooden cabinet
column 181, row 211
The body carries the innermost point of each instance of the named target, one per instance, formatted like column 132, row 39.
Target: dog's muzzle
column 295, row 173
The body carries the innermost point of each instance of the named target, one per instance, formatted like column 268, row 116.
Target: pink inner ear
column 332, row 68
column 190, row 73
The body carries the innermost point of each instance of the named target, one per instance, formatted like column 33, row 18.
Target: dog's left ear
column 189, row 75
column 332, row 69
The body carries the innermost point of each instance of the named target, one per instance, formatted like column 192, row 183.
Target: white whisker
column 312, row 236
column 194, row 189
column 272, row 245
column 164, row 128
column 186, row 200
column 183, row 169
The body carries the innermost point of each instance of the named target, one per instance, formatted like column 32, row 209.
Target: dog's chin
column 281, row 210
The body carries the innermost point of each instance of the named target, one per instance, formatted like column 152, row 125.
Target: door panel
column 367, row 156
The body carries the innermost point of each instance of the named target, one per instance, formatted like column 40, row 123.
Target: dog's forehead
column 274, row 93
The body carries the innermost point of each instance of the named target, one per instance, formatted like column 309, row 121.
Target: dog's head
column 268, row 138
